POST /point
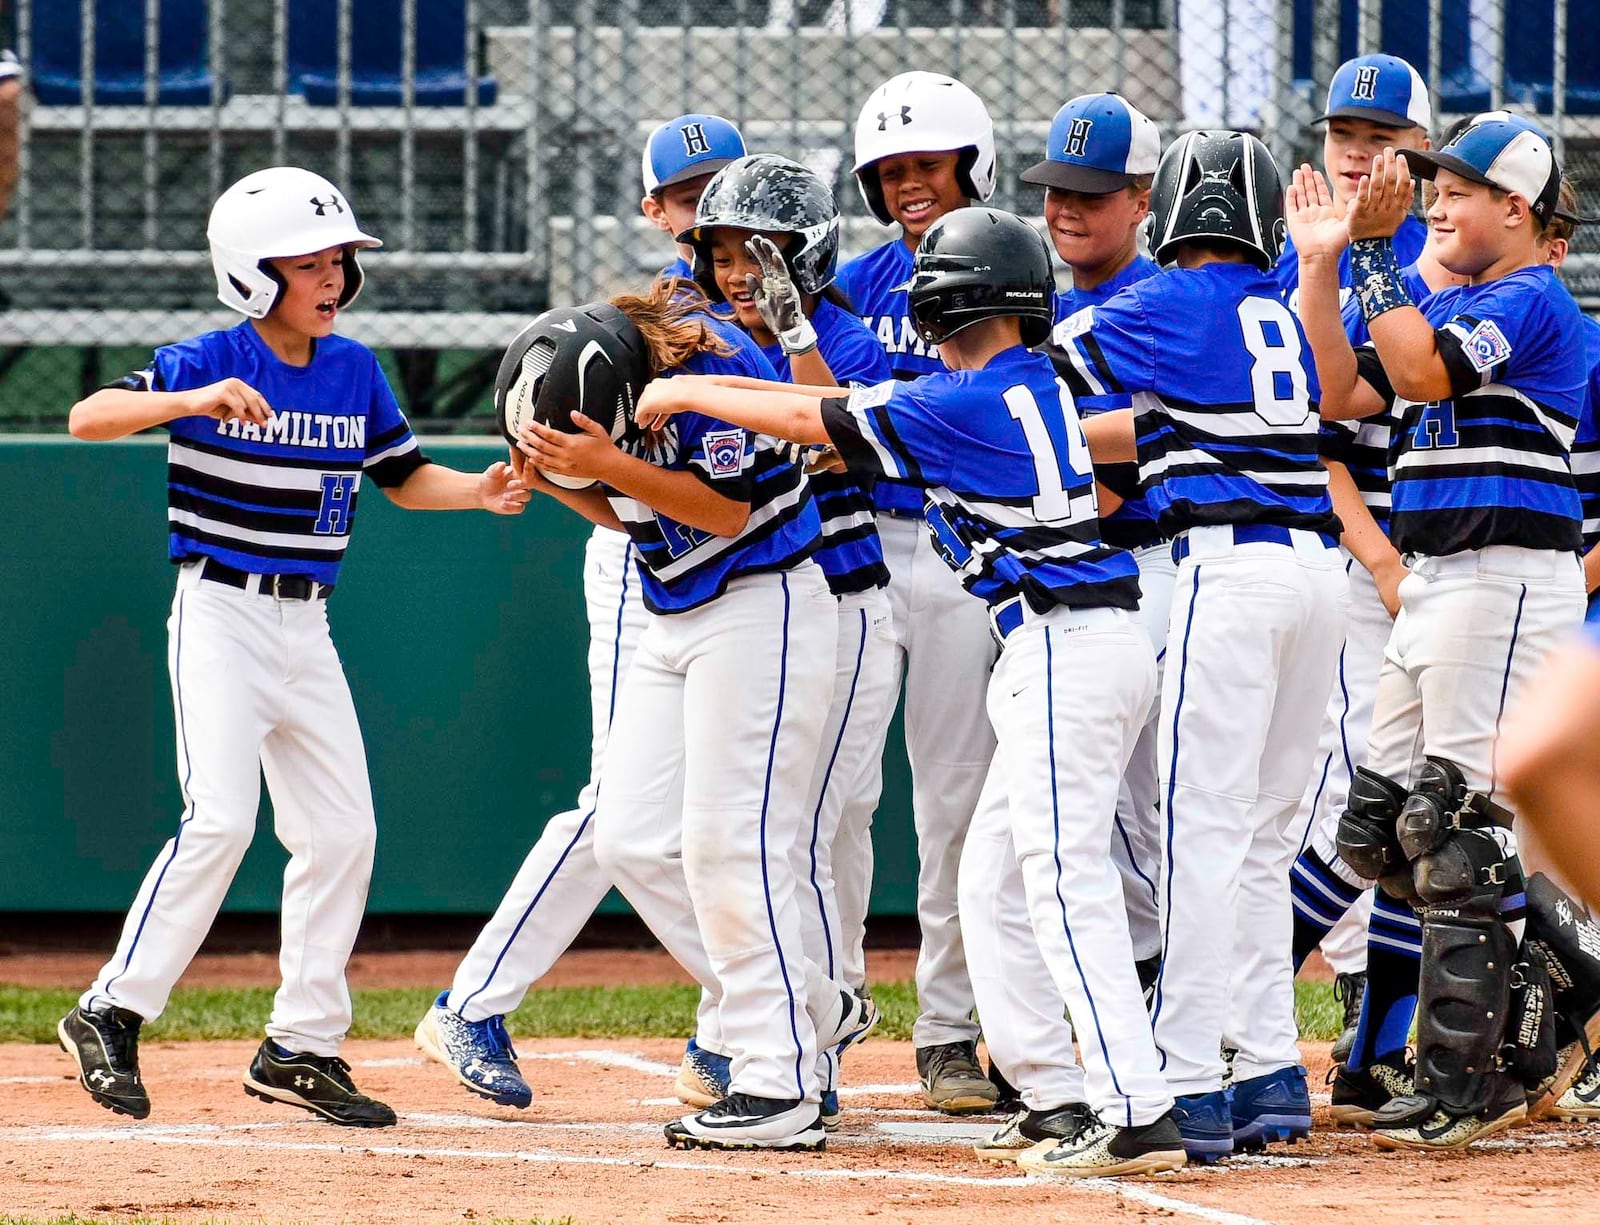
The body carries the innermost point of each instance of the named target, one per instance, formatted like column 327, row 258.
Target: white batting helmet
column 924, row 112
column 271, row 214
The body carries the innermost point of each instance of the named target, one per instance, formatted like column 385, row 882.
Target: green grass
column 29, row 1014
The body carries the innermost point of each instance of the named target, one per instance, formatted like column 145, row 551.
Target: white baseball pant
column 257, row 690
column 833, row 856
column 1341, row 747
column 1136, row 833
column 1472, row 628
column 1068, row 698
column 1254, row 639
column 728, row 694
column 559, row 884
column 945, row 655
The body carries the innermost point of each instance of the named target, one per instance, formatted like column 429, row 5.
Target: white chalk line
column 216, row 1136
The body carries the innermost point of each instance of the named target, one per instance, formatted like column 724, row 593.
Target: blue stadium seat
column 442, row 62
column 119, row 48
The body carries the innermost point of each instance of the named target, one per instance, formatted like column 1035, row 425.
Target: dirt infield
column 591, row 1147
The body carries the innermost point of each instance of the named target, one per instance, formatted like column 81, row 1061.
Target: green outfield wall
column 463, row 636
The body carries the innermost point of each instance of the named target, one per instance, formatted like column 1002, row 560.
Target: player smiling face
column 1470, row 225
column 919, row 188
column 1350, row 145
column 730, row 264
column 308, row 303
column 1095, row 232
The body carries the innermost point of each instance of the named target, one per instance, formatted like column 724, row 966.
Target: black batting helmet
column 590, row 358
column 979, row 263
column 1222, row 187
column 772, row 195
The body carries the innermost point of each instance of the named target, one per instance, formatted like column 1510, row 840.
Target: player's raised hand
column 778, row 299
column 588, row 454
column 1383, row 198
column 1315, row 222
column 228, row 399
column 502, row 491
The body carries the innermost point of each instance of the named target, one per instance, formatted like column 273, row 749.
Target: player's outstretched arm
column 497, row 489
column 777, row 409
column 1320, row 236
column 675, row 493
column 116, row 412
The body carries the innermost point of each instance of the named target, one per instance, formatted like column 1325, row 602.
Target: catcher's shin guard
column 1569, row 941
column 1367, row 840
column 1461, row 1009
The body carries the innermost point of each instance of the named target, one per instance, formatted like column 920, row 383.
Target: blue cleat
column 1205, row 1121
column 703, row 1077
column 478, row 1052
column 1271, row 1109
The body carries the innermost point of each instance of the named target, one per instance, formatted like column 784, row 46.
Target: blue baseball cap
column 1508, row 155
column 688, row 147
column 1380, row 89
column 1098, row 143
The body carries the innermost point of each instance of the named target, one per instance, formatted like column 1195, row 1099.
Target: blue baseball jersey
column 278, row 498
column 1586, row 440
column 1133, row 524
column 1224, row 396
column 1492, row 464
column 875, row 284
column 851, row 554
column 1363, row 446
column 1010, row 489
column 678, row 267
column 682, row 567
column 1408, row 240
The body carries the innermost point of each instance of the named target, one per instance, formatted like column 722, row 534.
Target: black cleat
column 105, row 1046
column 318, row 1083
column 1348, row 990
column 1357, row 1097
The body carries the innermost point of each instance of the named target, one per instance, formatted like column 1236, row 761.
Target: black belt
column 279, row 586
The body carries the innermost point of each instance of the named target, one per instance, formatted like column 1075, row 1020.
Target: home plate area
column 591, row 1149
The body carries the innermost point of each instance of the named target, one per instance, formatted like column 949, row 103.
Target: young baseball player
column 720, row 718
column 924, row 145
column 1229, row 462
column 1011, row 503
column 1373, row 101
column 1100, row 159
column 559, row 884
column 766, row 241
column 1487, row 382
column 273, row 424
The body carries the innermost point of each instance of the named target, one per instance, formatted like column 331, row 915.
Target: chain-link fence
column 495, row 144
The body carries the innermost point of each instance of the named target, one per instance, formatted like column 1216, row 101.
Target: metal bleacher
column 493, row 144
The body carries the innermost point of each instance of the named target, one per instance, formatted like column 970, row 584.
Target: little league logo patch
column 725, row 452
column 1487, row 346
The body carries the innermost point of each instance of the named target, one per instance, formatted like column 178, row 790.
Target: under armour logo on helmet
column 1366, row 87
column 885, row 116
column 695, row 143
column 322, row 206
column 1078, row 138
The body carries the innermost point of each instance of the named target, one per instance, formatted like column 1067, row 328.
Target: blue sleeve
column 723, row 456
column 856, row 359
column 893, row 429
column 392, row 451
column 1110, row 349
column 184, row 366
column 1505, row 324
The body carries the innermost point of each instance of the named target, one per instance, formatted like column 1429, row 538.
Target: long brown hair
column 670, row 316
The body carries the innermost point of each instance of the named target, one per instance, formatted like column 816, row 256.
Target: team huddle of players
column 1208, row 581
